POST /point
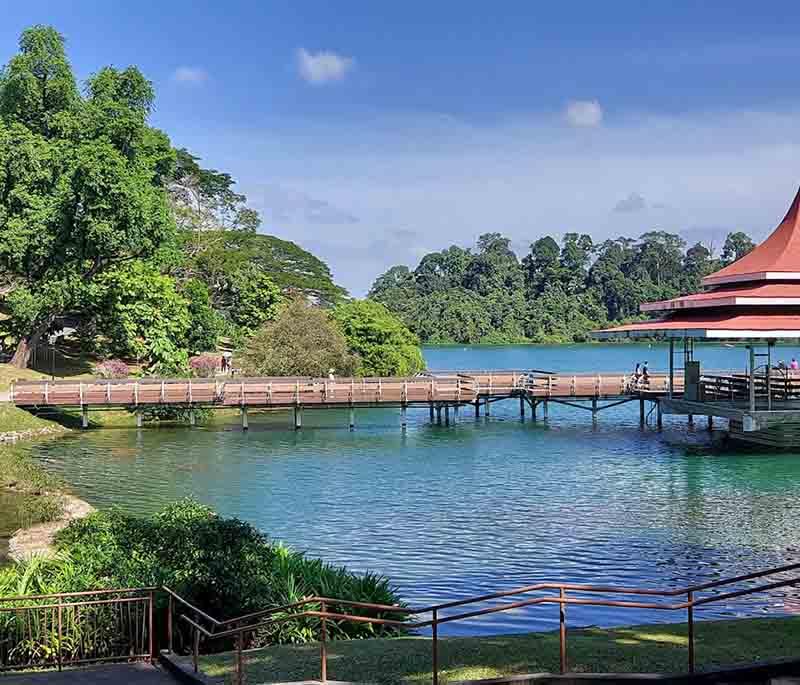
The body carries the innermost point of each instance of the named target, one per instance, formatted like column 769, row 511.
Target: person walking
column 645, row 374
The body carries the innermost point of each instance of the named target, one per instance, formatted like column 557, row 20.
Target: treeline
column 108, row 231
column 556, row 293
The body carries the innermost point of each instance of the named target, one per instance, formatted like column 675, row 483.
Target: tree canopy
column 558, row 292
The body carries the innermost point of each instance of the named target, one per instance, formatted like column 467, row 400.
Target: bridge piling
column 522, row 407
column 487, row 410
column 403, row 420
column 84, row 417
column 642, row 416
column 298, row 418
column 447, row 415
column 477, row 409
column 352, row 418
column 245, row 425
column 594, row 411
column 138, row 419
column 659, row 418
column 430, row 407
column 456, row 408
column 544, row 410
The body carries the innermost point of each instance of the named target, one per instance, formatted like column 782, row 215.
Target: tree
column 697, row 264
column 736, row 246
column 253, row 298
column 140, row 314
column 81, row 182
column 541, row 265
column 302, row 341
column 204, row 199
column 382, row 341
column 205, row 325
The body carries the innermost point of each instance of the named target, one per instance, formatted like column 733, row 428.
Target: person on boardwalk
column 637, row 375
column 793, row 365
column 645, row 375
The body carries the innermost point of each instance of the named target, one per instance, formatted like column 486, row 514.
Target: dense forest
column 129, row 247
column 556, row 293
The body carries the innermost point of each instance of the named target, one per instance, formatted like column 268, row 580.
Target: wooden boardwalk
column 436, row 390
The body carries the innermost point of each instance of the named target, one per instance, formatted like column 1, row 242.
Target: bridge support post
column 594, row 410
column 84, row 416
column 659, row 418
column 403, row 419
column 244, row 419
column 544, row 410
column 298, row 418
column 431, row 411
column 691, row 419
column 447, row 415
column 455, row 413
column 138, row 419
column 477, row 409
column 487, row 410
column 192, row 417
column 641, row 411
column 522, row 407
column 439, row 415
column 352, row 418
column 534, row 404
column 710, row 423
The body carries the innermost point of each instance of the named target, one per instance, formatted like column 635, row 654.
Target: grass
column 13, row 419
column 635, row 649
column 19, row 470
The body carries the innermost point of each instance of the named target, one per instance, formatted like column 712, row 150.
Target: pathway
column 130, row 674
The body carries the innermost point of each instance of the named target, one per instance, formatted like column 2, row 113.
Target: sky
column 372, row 133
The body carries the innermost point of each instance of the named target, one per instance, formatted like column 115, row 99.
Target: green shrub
column 223, row 565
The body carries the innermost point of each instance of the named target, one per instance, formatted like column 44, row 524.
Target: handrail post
column 169, row 624
column 435, row 646
column 690, row 612
column 562, row 631
column 196, row 649
column 323, row 645
column 240, row 658
column 60, row 608
column 150, row 625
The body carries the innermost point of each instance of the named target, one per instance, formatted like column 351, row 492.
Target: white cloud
column 194, row 75
column 584, row 113
column 633, row 203
column 323, row 67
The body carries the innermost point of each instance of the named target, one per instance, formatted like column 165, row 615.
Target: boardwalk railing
column 452, row 388
column 325, row 609
column 75, row 628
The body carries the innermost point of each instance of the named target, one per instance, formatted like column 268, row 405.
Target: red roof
column 735, row 294
column 746, row 322
column 778, row 257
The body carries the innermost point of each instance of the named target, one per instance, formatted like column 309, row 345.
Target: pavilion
column 756, row 302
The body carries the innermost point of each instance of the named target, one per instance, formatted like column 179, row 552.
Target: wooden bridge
column 440, row 391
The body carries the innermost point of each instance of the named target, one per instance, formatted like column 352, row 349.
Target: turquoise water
column 492, row 503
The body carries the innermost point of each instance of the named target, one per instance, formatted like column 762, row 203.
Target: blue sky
column 373, row 132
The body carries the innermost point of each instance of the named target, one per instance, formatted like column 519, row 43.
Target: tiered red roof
column 758, row 296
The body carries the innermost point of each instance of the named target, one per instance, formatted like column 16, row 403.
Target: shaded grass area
column 635, row 649
column 13, row 419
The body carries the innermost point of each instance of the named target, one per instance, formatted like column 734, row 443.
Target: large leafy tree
column 81, row 182
column 381, row 340
column 736, row 246
column 303, row 340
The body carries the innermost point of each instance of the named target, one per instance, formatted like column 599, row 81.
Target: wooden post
column 456, row 407
column 439, row 415
column 671, row 386
column 352, row 418
column 562, row 631
column 691, row 419
column 544, row 410
column 522, row 407
column 641, row 411
column 659, row 419
column 170, row 611
column 323, row 645
column 594, row 410
column 752, row 378
column 435, row 646
column 403, row 419
column 534, row 405
column 488, row 408
column 298, row 418
column 245, row 425
column 447, row 415
column 477, row 408
column 690, row 617
column 430, row 407
column 710, row 423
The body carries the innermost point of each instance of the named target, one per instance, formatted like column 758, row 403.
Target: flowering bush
column 112, row 368
column 204, row 365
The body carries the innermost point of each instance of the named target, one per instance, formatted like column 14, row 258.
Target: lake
column 487, row 504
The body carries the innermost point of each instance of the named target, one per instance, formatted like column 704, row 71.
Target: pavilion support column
column 671, row 385
column 752, row 377
column 245, row 424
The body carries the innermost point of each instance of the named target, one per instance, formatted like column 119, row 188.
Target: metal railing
column 76, row 628
column 326, row 609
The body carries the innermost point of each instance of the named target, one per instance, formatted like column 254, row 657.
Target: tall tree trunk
column 22, row 355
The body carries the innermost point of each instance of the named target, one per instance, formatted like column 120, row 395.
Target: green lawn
column 636, row 649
